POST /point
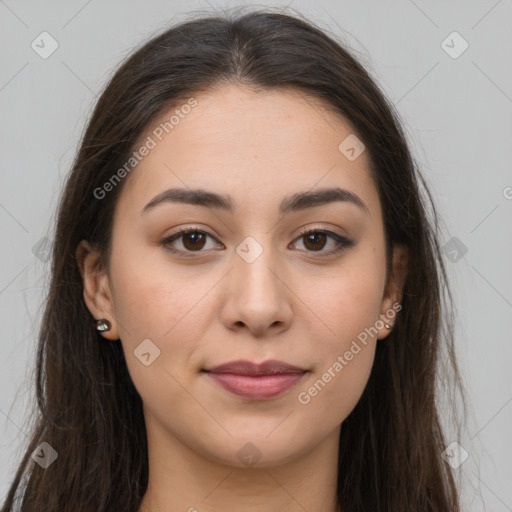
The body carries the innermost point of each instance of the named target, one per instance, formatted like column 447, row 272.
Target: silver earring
column 103, row 325
column 387, row 326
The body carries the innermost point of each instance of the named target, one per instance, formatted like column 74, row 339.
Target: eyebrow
column 296, row 202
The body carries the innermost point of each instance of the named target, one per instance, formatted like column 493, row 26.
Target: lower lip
column 256, row 388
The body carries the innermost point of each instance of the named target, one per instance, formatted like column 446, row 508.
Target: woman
column 248, row 298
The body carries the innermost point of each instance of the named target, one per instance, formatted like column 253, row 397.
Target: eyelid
column 187, row 229
column 306, row 230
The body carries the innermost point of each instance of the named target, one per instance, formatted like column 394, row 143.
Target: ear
column 393, row 293
column 97, row 293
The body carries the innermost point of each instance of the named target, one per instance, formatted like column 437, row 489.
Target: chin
column 257, row 449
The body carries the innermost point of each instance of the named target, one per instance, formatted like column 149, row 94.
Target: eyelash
column 342, row 242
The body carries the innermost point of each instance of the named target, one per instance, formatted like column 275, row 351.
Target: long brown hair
column 88, row 409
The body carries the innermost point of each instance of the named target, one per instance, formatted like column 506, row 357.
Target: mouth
column 256, row 381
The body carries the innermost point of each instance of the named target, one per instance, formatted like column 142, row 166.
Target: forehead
column 251, row 145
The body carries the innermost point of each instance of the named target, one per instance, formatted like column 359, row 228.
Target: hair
column 87, row 407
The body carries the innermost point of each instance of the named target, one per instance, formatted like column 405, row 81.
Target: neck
column 182, row 479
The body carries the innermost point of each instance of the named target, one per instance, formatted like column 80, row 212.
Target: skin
column 289, row 304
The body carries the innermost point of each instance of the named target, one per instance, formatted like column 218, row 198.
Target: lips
column 271, row 367
column 256, row 381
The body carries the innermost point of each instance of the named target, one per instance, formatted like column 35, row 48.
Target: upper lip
column 241, row 367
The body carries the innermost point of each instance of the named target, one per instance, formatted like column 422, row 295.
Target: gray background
column 457, row 114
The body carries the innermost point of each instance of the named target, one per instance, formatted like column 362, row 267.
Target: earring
column 103, row 325
column 387, row 326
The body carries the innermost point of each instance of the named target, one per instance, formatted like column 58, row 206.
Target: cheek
column 347, row 303
column 344, row 357
column 349, row 306
column 158, row 303
column 150, row 299
column 334, row 393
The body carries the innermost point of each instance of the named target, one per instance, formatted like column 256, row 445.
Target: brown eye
column 191, row 240
column 194, row 240
column 315, row 241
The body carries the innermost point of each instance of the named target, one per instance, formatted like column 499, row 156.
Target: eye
column 315, row 240
column 192, row 240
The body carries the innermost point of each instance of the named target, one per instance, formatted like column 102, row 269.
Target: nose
column 257, row 296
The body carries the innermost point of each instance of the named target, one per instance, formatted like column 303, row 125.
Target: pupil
column 314, row 236
column 193, row 236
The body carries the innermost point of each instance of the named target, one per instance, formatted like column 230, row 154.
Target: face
column 248, row 282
